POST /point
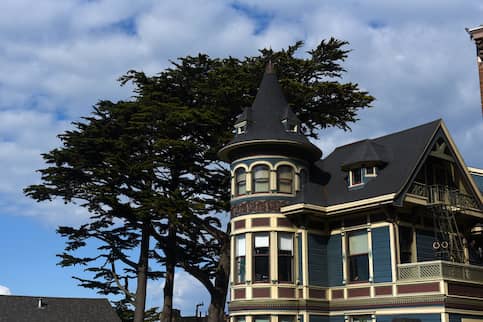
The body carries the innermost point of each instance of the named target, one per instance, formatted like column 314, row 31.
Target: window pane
column 359, row 267
column 240, row 319
column 358, row 243
column 261, row 318
column 370, row 170
column 261, row 268
column 356, row 176
column 261, row 176
column 261, row 172
column 240, row 182
column 261, row 241
column 285, row 242
column 240, row 245
column 286, row 318
column 285, row 268
column 240, row 269
column 261, row 186
column 362, row 319
column 285, row 179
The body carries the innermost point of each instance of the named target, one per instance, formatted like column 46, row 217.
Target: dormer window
column 241, row 127
column 290, row 125
column 292, row 128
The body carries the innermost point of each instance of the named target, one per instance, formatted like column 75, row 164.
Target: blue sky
column 58, row 58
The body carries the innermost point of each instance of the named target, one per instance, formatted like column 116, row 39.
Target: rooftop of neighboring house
column 48, row 309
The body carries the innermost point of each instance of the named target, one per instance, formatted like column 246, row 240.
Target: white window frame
column 351, row 184
column 373, row 174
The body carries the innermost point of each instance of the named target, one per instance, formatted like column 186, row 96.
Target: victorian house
column 385, row 229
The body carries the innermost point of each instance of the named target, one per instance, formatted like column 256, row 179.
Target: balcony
column 443, row 195
column 440, row 270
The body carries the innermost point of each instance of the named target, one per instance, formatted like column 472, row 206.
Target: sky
column 58, row 58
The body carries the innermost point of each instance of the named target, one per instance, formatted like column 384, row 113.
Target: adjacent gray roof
column 55, row 309
column 400, row 152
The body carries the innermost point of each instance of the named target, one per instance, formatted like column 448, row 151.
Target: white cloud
column 4, row 290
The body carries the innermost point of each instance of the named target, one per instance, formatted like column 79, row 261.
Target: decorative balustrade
column 437, row 194
column 440, row 270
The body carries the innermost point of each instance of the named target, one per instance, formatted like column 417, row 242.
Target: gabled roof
column 26, row 309
column 400, row 151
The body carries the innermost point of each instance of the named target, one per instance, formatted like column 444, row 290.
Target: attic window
column 292, row 128
column 241, row 127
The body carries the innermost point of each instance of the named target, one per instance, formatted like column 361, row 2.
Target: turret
column 270, row 158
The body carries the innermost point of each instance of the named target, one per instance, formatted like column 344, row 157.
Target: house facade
column 384, row 229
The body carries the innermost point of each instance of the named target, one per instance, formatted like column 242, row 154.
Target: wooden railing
column 443, row 195
column 440, row 270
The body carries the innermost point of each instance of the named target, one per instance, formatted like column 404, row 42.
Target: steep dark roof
column 26, row 309
column 267, row 112
column 400, row 151
column 264, row 118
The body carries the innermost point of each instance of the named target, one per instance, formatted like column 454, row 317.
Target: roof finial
column 269, row 68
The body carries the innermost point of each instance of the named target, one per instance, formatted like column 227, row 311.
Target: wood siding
column 381, row 250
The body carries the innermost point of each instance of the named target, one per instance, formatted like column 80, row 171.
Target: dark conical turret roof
column 266, row 120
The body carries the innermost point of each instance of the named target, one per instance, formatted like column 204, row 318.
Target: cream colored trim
column 271, row 156
column 359, row 227
column 392, row 244
column 475, row 171
column 339, row 207
column 260, row 162
column 241, row 165
column 371, row 257
column 305, row 262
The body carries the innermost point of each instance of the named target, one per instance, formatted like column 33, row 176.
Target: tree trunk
column 216, row 310
column 140, row 301
column 170, row 252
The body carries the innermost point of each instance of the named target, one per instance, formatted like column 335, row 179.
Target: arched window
column 285, row 179
column 240, row 182
column 261, row 178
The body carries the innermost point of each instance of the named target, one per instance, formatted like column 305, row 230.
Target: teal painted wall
column 424, row 245
column 457, row 317
column 318, row 318
column 334, row 260
column 317, row 252
column 381, row 252
column 336, row 319
column 421, row 317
